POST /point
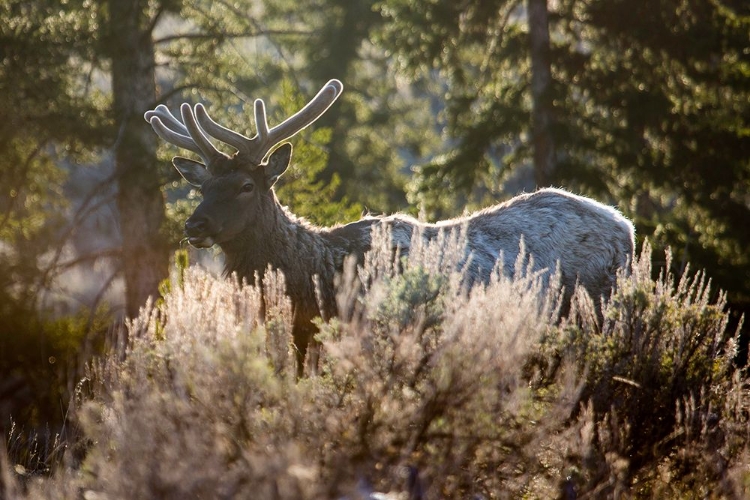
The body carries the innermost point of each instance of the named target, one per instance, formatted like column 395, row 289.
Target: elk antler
column 257, row 147
column 192, row 134
column 187, row 135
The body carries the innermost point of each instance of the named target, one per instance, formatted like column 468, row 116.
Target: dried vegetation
column 422, row 389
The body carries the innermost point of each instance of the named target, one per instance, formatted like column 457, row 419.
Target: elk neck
column 283, row 241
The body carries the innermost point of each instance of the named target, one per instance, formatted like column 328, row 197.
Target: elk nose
column 197, row 226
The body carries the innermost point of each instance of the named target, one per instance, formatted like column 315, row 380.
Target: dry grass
column 422, row 389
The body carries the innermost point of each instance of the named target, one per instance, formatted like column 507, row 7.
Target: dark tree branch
column 242, row 34
column 102, row 254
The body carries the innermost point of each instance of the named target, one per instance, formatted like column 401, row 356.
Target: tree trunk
column 140, row 201
column 342, row 41
column 542, row 114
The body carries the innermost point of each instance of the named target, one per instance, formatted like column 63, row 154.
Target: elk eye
column 247, row 187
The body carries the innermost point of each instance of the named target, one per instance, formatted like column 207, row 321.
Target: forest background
column 448, row 106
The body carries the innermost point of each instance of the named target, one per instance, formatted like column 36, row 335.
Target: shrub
column 423, row 388
column 658, row 375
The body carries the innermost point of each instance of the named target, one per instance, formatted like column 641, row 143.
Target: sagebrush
column 422, row 389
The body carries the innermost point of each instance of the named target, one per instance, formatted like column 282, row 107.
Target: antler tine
column 257, row 147
column 172, row 130
column 172, row 137
column 196, row 133
column 261, row 123
column 242, row 143
column 302, row 118
column 234, row 139
column 167, row 118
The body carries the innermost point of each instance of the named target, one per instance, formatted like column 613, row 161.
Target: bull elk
column 241, row 213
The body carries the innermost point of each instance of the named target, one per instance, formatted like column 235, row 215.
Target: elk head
column 237, row 189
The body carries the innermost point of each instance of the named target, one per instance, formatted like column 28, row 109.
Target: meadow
column 422, row 390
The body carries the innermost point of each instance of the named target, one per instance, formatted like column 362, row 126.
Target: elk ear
column 278, row 162
column 192, row 171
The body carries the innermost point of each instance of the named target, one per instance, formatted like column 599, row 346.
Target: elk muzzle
column 200, row 231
